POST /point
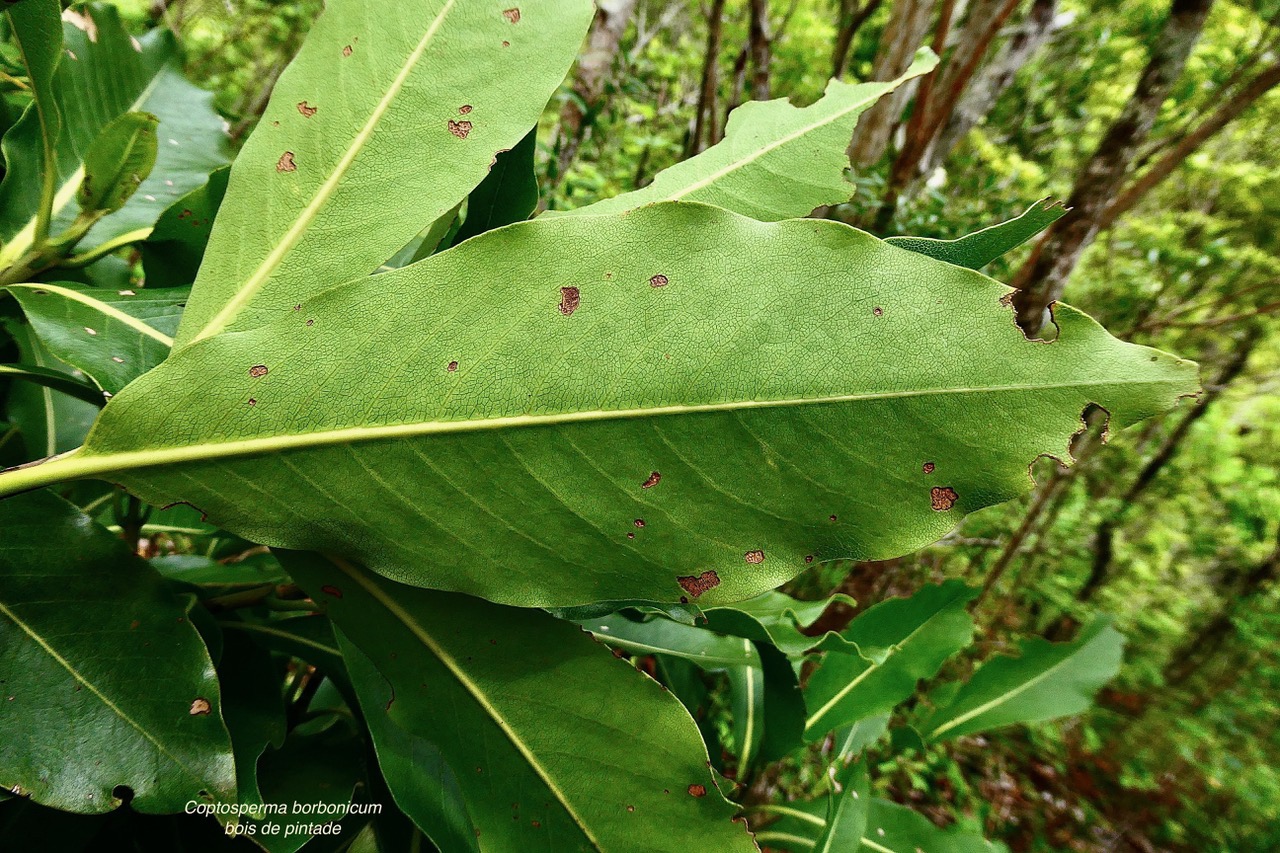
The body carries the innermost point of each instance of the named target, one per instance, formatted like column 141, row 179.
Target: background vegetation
column 1173, row 527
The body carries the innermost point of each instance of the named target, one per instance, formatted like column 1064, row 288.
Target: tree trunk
column 1230, row 109
column 1041, row 280
column 1104, row 539
column 577, row 115
column 908, row 23
column 704, row 127
column 995, row 77
column 852, row 16
column 760, row 43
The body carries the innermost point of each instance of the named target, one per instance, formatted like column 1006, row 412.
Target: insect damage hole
column 346, row 51
column 512, row 15
column 452, row 367
column 286, row 163
column 258, row 371
column 696, row 586
column 306, row 109
column 200, row 706
column 459, row 129
column 570, row 299
column 942, row 498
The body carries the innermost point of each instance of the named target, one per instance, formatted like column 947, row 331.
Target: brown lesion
column 755, row 558
column 659, row 280
column 942, row 498
column 459, row 129
column 200, row 706
column 512, row 14
column 258, row 371
column 653, row 480
column 928, row 467
column 570, row 299
column 346, row 51
column 306, row 109
column 286, row 163
column 696, row 586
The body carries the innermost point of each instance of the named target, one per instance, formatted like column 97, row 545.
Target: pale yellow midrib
column 1005, row 697
column 470, row 686
column 82, row 462
column 102, row 308
column 254, row 283
column 74, row 673
column 897, row 647
column 789, row 138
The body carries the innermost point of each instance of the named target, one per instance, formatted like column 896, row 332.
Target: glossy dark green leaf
column 980, row 248
column 538, row 722
column 1045, row 681
column 417, row 773
column 893, row 828
column 95, row 652
column 172, row 253
column 902, row 641
column 509, row 193
column 30, row 145
column 117, row 162
column 848, row 809
column 54, row 380
column 105, row 72
column 113, row 336
column 251, row 706
column 707, row 649
column 49, row 421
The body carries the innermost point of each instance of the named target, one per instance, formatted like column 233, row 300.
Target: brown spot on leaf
column 133, row 626
column 754, row 557
column 286, row 163
column 654, row 479
column 464, row 109
column 631, row 536
column 570, row 298
column 331, row 590
column 346, row 51
column 942, row 498
column 258, row 371
column 659, row 280
column 459, row 129
column 512, row 15
column 618, row 653
column 879, row 312
column 453, row 366
column 306, row 109
column 200, row 707
column 631, row 808
column 684, row 599
column 831, row 517
column 928, row 467
column 506, row 44
column 696, row 586
column 311, row 322
column 253, row 401
column 696, row 790
column 639, row 522
column 808, row 558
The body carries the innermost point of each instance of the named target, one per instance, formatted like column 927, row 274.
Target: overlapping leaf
column 104, row 73
column 767, row 414
column 980, row 248
column 113, row 336
column 776, row 161
column 537, row 722
column 902, row 641
column 389, row 115
column 1046, row 681
column 106, row 683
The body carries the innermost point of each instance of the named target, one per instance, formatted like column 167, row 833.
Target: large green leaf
column 902, row 640
column 776, row 161
column 390, row 114
column 172, row 253
column 847, row 811
column 30, row 145
column 1046, row 681
column 509, row 193
column 105, row 681
column 105, row 73
column 767, row 414
column 117, row 163
column 980, row 248
column 113, row 336
column 538, row 722
column 50, row 421
column 890, row 828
